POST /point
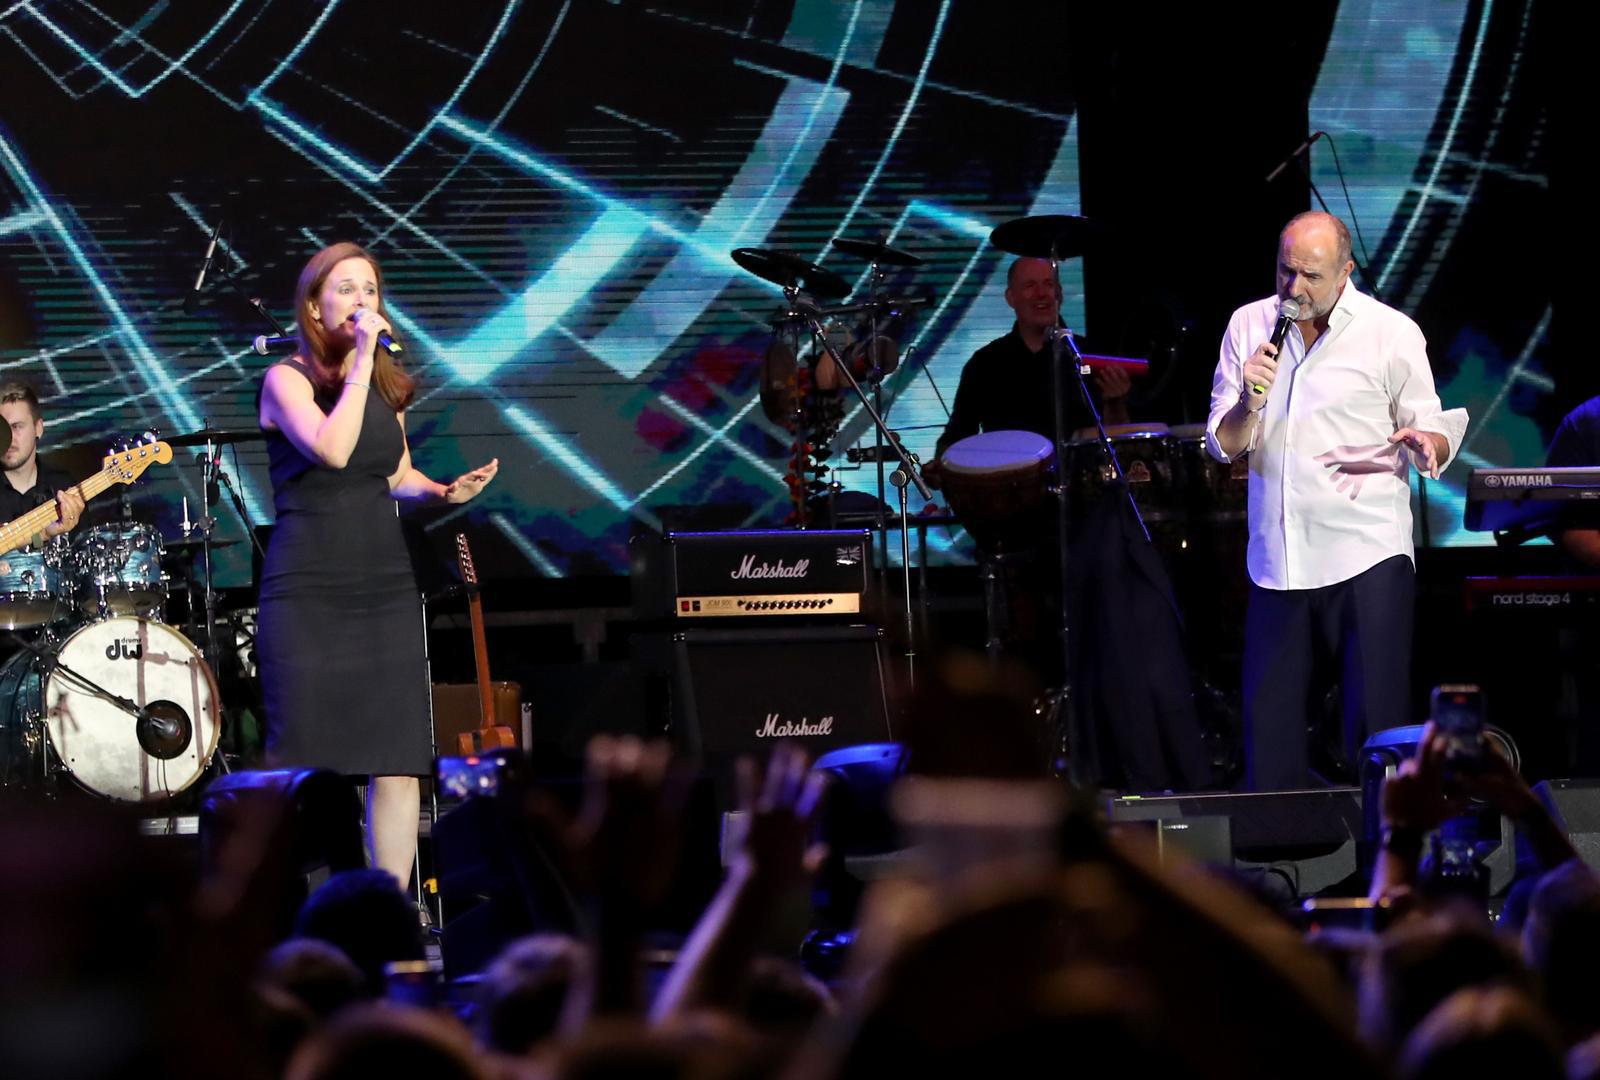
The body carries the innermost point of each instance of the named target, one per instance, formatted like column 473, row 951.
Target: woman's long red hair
column 388, row 379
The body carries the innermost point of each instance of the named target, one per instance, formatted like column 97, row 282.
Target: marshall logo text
column 749, row 569
column 772, row 729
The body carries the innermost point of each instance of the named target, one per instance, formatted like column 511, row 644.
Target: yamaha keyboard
column 1529, row 499
column 759, row 573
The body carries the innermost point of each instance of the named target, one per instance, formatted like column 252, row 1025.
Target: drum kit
column 101, row 691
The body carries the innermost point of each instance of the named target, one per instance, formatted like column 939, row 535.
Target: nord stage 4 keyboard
column 1529, row 593
column 701, row 575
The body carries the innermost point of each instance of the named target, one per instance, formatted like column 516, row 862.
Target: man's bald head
column 1316, row 221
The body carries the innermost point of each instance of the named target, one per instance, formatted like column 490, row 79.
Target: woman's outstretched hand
column 465, row 487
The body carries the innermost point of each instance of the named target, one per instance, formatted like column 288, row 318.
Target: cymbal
column 216, row 435
column 788, row 269
column 875, row 251
column 1045, row 236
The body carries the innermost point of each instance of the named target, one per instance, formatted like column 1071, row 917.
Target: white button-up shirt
column 1330, row 496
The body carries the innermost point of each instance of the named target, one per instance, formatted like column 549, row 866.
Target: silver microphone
column 266, row 344
column 1288, row 312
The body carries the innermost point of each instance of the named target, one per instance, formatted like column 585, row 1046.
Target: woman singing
column 341, row 638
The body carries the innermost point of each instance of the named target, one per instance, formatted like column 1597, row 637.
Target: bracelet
column 352, row 382
column 1402, row 840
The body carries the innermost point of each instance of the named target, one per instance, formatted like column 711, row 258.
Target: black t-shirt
column 14, row 503
column 1577, row 439
column 1577, row 444
column 1006, row 387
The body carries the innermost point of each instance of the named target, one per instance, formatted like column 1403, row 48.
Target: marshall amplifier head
column 687, row 577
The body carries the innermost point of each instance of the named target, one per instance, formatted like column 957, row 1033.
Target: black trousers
column 1362, row 626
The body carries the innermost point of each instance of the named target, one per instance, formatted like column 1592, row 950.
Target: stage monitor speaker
column 742, row 690
column 1576, row 806
column 1310, row 835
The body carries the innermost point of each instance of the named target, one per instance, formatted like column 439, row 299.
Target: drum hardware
column 882, row 356
column 214, row 481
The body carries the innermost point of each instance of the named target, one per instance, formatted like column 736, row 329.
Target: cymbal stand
column 875, row 276
column 214, row 481
column 906, row 474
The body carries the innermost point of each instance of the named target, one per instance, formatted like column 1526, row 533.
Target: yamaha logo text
column 1521, row 480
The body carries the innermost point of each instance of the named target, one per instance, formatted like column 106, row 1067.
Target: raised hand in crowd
column 775, row 860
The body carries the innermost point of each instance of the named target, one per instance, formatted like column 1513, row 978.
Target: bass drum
column 146, row 758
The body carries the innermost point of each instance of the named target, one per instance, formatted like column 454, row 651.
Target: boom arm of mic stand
column 50, row 663
column 910, row 467
column 254, row 302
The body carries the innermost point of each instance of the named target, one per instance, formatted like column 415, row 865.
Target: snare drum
column 117, row 570
column 137, row 759
column 1145, row 453
column 997, row 484
column 33, row 585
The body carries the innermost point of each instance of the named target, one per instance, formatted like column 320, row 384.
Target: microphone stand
column 906, row 473
column 1071, row 739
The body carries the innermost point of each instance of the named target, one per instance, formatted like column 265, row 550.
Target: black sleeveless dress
column 340, row 637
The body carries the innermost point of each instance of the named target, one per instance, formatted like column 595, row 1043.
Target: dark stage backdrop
column 553, row 188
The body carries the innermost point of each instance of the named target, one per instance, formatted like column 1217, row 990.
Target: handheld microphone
column 385, row 342
column 1288, row 312
column 1284, row 164
column 266, row 344
column 193, row 299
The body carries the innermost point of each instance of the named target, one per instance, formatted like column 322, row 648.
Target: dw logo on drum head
column 125, row 649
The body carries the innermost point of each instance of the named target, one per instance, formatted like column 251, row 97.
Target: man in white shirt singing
column 1332, row 420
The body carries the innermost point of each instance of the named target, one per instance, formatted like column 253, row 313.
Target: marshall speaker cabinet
column 722, row 692
column 740, row 691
